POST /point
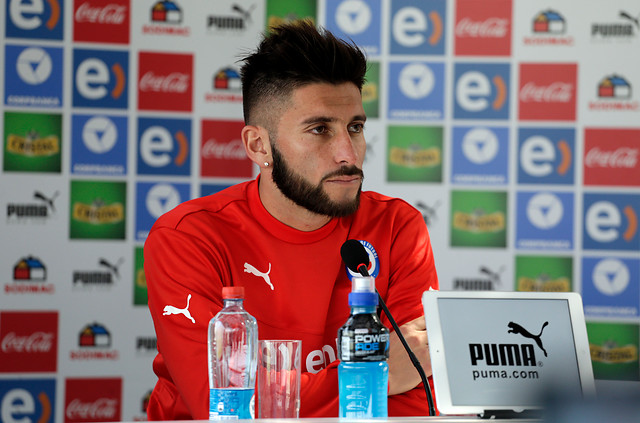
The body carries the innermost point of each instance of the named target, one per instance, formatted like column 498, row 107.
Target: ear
column 257, row 145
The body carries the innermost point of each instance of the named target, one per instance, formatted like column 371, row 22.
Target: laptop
column 497, row 353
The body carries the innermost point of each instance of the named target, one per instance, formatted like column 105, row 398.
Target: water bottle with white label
column 363, row 350
column 232, row 359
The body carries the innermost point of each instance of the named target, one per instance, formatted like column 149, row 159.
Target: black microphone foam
column 354, row 255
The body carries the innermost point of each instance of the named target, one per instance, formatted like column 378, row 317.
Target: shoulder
column 372, row 202
column 203, row 207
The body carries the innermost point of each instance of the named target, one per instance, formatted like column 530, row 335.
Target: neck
column 285, row 210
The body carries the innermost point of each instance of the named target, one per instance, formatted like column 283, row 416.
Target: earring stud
column 266, row 163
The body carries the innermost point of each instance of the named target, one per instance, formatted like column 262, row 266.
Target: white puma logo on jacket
column 169, row 309
column 250, row 269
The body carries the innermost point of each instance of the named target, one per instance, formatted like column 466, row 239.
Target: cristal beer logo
column 481, row 30
column 28, row 341
column 32, row 144
column 547, row 91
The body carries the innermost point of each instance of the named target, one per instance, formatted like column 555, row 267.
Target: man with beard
column 279, row 236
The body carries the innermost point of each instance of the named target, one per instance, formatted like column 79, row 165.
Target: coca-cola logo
column 112, row 14
column 233, row 150
column 623, row 157
column 37, row 342
column 489, row 28
column 102, row 409
column 557, row 92
column 174, row 82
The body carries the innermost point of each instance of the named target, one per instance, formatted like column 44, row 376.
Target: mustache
column 345, row 171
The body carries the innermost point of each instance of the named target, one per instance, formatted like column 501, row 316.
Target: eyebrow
column 326, row 119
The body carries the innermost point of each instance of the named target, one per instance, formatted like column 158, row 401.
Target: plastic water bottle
column 363, row 349
column 232, row 359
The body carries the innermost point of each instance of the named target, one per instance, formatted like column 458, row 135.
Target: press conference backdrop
column 513, row 126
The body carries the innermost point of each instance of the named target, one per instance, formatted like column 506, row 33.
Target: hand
column 403, row 376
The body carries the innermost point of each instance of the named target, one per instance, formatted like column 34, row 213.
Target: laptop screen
column 503, row 350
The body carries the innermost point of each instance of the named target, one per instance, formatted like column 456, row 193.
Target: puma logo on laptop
column 517, row 329
column 169, row 309
column 250, row 269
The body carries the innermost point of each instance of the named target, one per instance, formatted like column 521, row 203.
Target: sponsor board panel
column 28, row 400
column 610, row 287
column 614, row 350
column 98, row 209
column 479, row 219
column 543, row 273
column 414, row 153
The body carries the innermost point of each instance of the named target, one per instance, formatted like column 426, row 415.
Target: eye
column 356, row 128
column 319, row 130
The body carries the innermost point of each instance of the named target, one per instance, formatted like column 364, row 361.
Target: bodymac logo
column 28, row 342
column 165, row 81
column 480, row 155
column 547, row 91
column 158, row 199
column 35, row 19
column 166, row 19
column 611, row 157
column 614, row 93
column 548, row 28
column 36, row 78
column 481, row 91
column 356, row 20
column 31, row 400
column 226, row 86
column 94, row 342
column 101, row 22
column 38, row 211
column 99, row 145
column 608, row 288
column 417, row 27
column 30, row 277
column 624, row 29
column 164, row 146
column 100, row 78
column 544, row 220
column 482, row 30
column 416, row 91
column 611, row 222
column 546, row 156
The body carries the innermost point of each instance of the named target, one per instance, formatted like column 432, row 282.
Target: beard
column 313, row 197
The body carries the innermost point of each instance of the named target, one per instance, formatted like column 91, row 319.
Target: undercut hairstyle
column 291, row 56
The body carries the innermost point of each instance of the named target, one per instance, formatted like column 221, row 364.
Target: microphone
column 356, row 258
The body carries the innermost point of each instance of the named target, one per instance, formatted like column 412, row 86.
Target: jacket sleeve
column 181, row 274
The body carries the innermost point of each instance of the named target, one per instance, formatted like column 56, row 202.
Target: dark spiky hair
column 291, row 56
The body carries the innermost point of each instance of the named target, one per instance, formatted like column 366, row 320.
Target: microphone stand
column 416, row 363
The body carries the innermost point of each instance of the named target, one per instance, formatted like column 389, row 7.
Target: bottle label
column 231, row 404
column 364, row 346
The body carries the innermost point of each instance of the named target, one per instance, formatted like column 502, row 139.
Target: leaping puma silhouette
column 169, row 309
column 250, row 269
column 517, row 329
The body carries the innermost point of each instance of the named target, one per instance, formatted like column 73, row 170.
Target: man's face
column 319, row 150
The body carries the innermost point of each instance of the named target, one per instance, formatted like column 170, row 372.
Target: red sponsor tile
column 101, row 21
column 222, row 151
column 547, row 91
column 93, row 400
column 28, row 341
column 165, row 81
column 612, row 157
column 483, row 28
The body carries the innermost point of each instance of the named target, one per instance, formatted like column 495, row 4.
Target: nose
column 346, row 149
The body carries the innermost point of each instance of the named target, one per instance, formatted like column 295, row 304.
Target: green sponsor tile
column 544, row 273
column 32, row 142
column 478, row 219
column 97, row 210
column 614, row 350
column 414, row 154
